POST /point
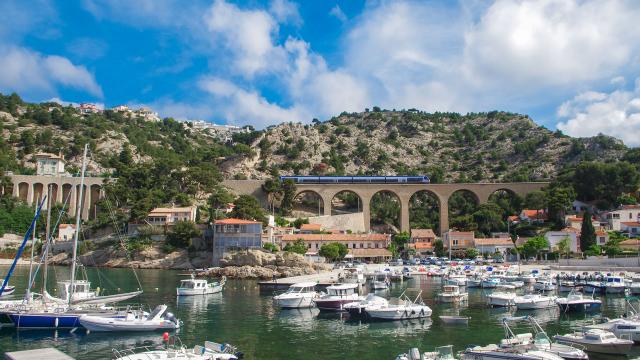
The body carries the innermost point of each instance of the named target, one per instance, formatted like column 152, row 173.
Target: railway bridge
column 403, row 191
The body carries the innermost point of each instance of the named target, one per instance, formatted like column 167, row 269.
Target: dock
column 323, row 280
column 37, row 354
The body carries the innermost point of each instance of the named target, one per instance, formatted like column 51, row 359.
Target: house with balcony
column 422, row 240
column 625, row 213
column 235, row 234
column 364, row 247
column 169, row 216
column 457, row 242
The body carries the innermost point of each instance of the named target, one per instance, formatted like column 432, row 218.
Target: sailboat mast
column 33, row 245
column 48, row 243
column 78, row 215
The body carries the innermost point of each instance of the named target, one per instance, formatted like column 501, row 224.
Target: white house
column 66, row 231
column 630, row 227
column 494, row 245
column 575, row 222
column 626, row 213
column 86, row 109
column 50, row 164
column 168, row 216
column 554, row 237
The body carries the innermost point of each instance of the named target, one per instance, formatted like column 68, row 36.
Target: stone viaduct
column 31, row 189
column 403, row 192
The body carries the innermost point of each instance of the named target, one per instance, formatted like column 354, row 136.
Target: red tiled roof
column 534, row 214
column 630, row 207
column 422, row 233
column 513, row 218
column 233, row 221
column 570, row 229
column 311, row 227
column 335, row 237
column 601, row 232
column 172, row 210
column 631, row 223
column 494, row 241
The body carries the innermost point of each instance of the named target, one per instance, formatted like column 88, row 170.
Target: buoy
column 165, row 337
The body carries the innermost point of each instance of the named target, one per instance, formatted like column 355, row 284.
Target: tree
column 587, row 232
column 247, row 207
column 559, row 200
column 298, row 247
column 181, row 234
column 564, row 246
column 438, row 248
column 401, row 239
column 472, row 253
column 288, row 194
column 218, row 198
column 333, row 251
column 535, row 200
column 393, row 248
column 605, row 181
column 533, row 246
column 488, row 218
column 270, row 247
column 125, row 157
column 594, row 250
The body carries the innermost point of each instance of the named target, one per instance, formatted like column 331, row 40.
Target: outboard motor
column 169, row 316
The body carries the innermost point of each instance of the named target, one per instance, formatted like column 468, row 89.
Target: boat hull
column 533, row 305
column 333, row 305
column 617, row 349
column 580, row 307
column 500, row 300
column 8, row 291
column 97, row 324
column 295, row 303
column 614, row 289
column 196, row 292
column 44, row 321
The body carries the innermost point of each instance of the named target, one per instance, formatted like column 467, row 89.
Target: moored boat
column 356, row 309
column 452, row 294
column 405, row 309
column 534, row 301
column 336, row 296
column 299, row 295
column 158, row 319
column 576, row 302
column 193, row 286
column 598, row 341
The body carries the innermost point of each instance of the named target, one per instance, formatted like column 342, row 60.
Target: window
column 361, row 245
column 377, row 245
column 316, row 245
column 616, row 216
column 369, row 245
column 630, row 215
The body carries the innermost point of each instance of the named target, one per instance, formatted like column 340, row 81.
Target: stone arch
column 307, row 203
column 53, row 193
column 424, row 210
column 460, row 203
column 39, row 190
column 23, row 191
column 94, row 196
column 66, row 193
column 385, row 208
column 346, row 202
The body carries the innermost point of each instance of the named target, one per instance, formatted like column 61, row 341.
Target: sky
column 572, row 65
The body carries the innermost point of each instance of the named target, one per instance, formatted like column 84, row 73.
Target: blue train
column 403, row 179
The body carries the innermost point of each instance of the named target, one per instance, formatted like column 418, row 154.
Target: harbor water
column 247, row 318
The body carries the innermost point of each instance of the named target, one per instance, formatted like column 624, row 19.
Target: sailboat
column 77, row 298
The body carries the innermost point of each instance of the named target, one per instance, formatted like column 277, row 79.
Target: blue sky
column 569, row 64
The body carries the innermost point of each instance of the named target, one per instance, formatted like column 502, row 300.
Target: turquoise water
column 247, row 319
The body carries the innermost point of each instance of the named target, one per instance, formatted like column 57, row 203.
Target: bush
column 270, row 247
column 297, row 247
column 333, row 251
column 137, row 244
column 181, row 234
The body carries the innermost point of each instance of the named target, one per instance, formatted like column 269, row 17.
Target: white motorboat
column 517, row 284
column 614, row 285
column 456, row 279
column 594, row 287
column 8, row 290
column 534, row 301
column 634, row 288
column 491, row 283
column 210, row 351
column 527, row 278
column 494, row 352
column 193, row 286
column 440, row 353
column 451, row 294
column 474, row 282
column 567, row 286
column 356, row 309
column 336, row 296
column 598, row 341
column 380, row 282
column 299, row 295
column 502, row 296
column 578, row 303
column 405, row 309
column 544, row 284
column 538, row 340
column 621, row 328
column 158, row 319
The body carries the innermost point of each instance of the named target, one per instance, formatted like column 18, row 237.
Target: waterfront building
column 625, row 213
column 497, row 245
column 458, row 241
column 364, row 247
column 66, row 231
column 632, row 228
column 575, row 222
column 554, row 237
column 168, row 216
column 235, row 234
column 631, row 245
column 422, row 240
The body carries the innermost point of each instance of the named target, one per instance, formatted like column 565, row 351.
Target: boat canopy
column 303, row 284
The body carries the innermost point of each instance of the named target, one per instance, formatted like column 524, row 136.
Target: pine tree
column 587, row 232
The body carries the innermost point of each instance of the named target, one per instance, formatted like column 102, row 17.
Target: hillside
column 449, row 147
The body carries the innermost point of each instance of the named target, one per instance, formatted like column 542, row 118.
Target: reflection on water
column 242, row 316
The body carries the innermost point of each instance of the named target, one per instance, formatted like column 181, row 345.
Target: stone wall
column 353, row 222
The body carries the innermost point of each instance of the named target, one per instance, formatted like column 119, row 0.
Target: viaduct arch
column 31, row 188
column 404, row 192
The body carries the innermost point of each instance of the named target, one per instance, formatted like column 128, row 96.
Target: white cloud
column 247, row 34
column 286, row 11
column 616, row 114
column 552, row 42
column 31, row 73
column 248, row 107
column 337, row 12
